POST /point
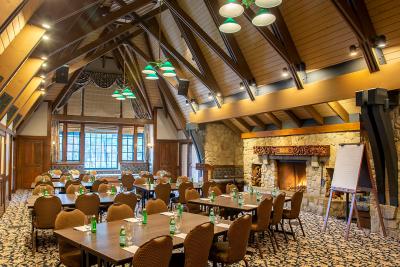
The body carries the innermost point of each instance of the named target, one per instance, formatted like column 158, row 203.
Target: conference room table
column 148, row 189
column 104, row 244
column 61, row 185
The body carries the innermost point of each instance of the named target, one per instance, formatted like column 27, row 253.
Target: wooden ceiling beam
column 60, row 42
column 199, row 58
column 232, row 126
column 244, row 124
column 231, row 44
column 95, row 119
column 275, row 121
column 177, row 11
column 339, row 110
column 257, row 121
column 14, row 12
column 293, row 118
column 355, row 13
column 314, row 114
column 278, row 45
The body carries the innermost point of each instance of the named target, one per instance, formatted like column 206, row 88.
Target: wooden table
column 68, row 200
column 104, row 244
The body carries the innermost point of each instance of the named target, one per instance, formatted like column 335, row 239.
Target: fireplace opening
column 291, row 174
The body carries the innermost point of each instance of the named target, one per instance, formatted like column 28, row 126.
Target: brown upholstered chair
column 216, row 190
column 71, row 182
column 154, row 253
column 230, row 187
column 128, row 198
column 70, row 255
column 74, row 188
column 163, row 180
column 197, row 246
column 154, row 206
column 48, row 175
column 276, row 217
column 50, row 183
column 45, row 213
column 140, row 180
column 103, row 188
column 39, row 189
column 97, row 183
column 163, row 192
column 42, row 178
column 127, row 181
column 148, row 176
column 182, row 179
column 65, row 177
column 234, row 249
column 206, row 186
column 182, row 191
column 119, row 212
column 89, row 204
column 294, row 212
column 85, row 178
column 163, row 173
column 189, row 195
column 261, row 223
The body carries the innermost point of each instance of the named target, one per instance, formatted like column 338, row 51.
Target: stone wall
column 222, row 146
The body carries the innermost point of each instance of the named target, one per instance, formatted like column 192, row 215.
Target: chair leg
column 272, row 241
column 33, row 241
column 284, row 232
column 291, row 229
column 36, row 239
column 245, row 262
column 301, row 226
column 214, row 264
column 276, row 241
column 258, row 245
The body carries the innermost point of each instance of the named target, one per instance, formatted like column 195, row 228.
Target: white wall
column 37, row 124
column 166, row 129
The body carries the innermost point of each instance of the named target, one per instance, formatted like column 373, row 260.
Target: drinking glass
column 139, row 216
column 88, row 224
column 129, row 233
column 178, row 224
column 217, row 214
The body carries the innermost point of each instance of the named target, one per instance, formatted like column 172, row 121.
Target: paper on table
column 83, row 228
column 131, row 220
column 167, row 213
column 225, row 196
column 132, row 249
column 223, row 225
column 181, row 235
column 250, row 206
column 205, row 199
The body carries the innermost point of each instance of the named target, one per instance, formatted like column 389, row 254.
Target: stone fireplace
column 291, row 174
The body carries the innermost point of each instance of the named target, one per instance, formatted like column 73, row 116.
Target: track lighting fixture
column 380, row 41
column 353, row 50
column 285, row 72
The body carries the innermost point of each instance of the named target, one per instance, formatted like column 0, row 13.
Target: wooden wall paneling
column 166, row 156
column 18, row 51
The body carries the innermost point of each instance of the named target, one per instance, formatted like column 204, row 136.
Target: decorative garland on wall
column 100, row 79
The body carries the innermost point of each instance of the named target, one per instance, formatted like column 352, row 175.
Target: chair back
column 182, row 179
column 264, row 214
column 206, row 186
column 189, row 195
column 47, row 175
column 97, row 183
column 154, row 253
column 148, row 176
column 163, row 173
column 85, row 178
column 216, row 190
column 238, row 236
column 71, row 182
column 42, row 178
column 163, row 192
column 103, row 188
column 39, row 189
column 127, row 181
column 74, row 188
column 65, row 177
column 154, row 206
column 140, row 180
column 182, row 191
column 163, row 180
column 50, row 183
column 68, row 219
column 279, row 202
column 197, row 245
column 46, row 211
column 230, row 187
column 119, row 212
column 295, row 204
column 128, row 198
column 89, row 204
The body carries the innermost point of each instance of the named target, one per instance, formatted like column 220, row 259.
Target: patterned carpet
column 316, row 249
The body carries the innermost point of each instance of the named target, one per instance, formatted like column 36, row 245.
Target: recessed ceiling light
column 46, row 26
column 285, row 72
column 45, row 37
column 44, row 64
column 44, row 58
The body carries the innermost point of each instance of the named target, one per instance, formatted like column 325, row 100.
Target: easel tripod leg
column 327, row 210
column 353, row 200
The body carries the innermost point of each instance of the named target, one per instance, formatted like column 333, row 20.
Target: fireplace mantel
column 319, row 151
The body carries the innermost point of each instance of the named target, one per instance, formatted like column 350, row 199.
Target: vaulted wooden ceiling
column 308, row 36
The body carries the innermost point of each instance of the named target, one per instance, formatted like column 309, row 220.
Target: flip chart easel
column 353, row 174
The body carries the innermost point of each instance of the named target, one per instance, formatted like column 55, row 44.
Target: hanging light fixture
column 121, row 97
column 149, row 69
column 263, row 18
column 152, row 77
column 123, row 91
column 230, row 26
column 169, row 73
column 116, row 94
column 231, row 9
column 268, row 3
column 167, row 66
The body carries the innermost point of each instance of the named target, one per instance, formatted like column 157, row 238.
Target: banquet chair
column 39, row 189
column 154, row 206
column 216, row 190
column 276, row 217
column 97, row 183
column 42, row 178
column 45, row 209
column 206, row 186
column 119, row 212
column 127, row 181
column 128, row 198
column 163, row 191
column 50, row 183
column 230, row 187
column 261, row 221
column 294, row 212
column 89, row 204
column 182, row 179
column 71, row 182
column 197, row 246
column 85, row 178
column 182, row 190
column 74, row 188
column 189, row 195
column 103, row 188
column 234, row 249
column 154, row 253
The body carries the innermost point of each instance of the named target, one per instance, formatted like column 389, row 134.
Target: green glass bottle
column 93, row 224
column 212, row 216
column 122, row 236
column 172, row 225
column 81, row 190
column 113, row 190
column 240, row 200
column 212, row 196
column 251, row 189
column 144, row 214
column 180, row 210
column 46, row 192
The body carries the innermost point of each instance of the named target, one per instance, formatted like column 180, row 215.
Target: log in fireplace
column 291, row 174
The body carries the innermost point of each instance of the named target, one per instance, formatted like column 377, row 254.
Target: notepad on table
column 223, row 225
column 167, row 213
column 82, row 228
column 181, row 235
column 133, row 220
column 250, row 206
column 225, row 196
column 205, row 199
column 132, row 249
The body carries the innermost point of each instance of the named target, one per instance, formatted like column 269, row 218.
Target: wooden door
column 30, row 159
column 166, row 157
